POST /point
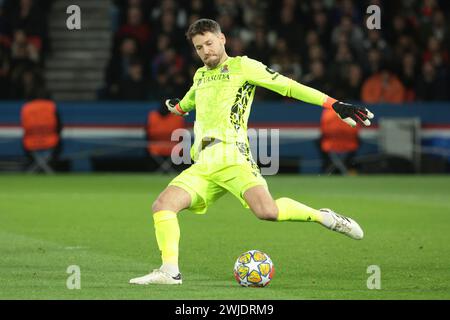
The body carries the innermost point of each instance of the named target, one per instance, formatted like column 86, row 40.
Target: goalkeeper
column 222, row 94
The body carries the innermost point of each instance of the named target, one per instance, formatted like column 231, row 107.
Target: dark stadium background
column 129, row 56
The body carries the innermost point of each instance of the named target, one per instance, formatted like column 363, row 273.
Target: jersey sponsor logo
column 215, row 77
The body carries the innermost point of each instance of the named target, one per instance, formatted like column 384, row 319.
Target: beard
column 212, row 61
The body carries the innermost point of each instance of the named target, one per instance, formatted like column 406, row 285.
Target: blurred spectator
column 228, row 26
column 118, row 65
column 284, row 62
column 347, row 28
column 5, row 66
column 175, row 7
column 440, row 28
column 375, row 40
column 135, row 27
column 168, row 60
column 437, row 28
column 404, row 44
column 235, row 46
column 168, row 85
column 144, row 6
column 259, row 47
column 289, row 27
column 429, row 86
column 373, row 62
column 321, row 25
column 21, row 46
column 28, row 16
column 400, row 27
column 383, row 87
column 4, row 26
column 354, row 83
column 434, row 51
column 311, row 39
column 408, row 76
column 134, row 86
column 315, row 53
column 162, row 89
column 199, row 8
column 31, row 85
column 25, row 76
column 317, row 77
column 349, row 84
column 342, row 60
column 428, row 7
column 228, row 8
column 346, row 8
column 167, row 25
column 252, row 11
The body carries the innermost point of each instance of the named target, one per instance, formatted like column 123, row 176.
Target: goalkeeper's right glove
column 352, row 114
column 174, row 106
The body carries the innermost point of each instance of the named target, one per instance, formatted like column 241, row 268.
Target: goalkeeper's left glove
column 174, row 106
column 352, row 114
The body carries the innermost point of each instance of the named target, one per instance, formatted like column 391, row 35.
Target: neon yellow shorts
column 220, row 168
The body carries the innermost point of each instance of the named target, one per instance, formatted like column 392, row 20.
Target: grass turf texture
column 103, row 224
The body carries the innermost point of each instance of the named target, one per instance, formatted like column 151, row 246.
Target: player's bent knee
column 161, row 204
column 158, row 205
column 269, row 214
column 171, row 199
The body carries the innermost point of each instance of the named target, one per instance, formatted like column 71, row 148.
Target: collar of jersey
column 218, row 66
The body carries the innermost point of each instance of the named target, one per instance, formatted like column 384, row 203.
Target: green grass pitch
column 103, row 224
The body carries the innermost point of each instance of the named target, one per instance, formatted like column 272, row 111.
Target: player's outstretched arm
column 260, row 75
column 174, row 106
column 349, row 113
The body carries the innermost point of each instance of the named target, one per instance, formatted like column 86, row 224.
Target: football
column 253, row 268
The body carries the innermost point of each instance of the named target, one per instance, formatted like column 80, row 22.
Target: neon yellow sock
column 167, row 233
column 291, row 210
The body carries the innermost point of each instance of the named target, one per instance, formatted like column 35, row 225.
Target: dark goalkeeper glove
column 174, row 106
column 352, row 114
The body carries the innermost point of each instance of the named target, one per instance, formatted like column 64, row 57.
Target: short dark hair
column 202, row 26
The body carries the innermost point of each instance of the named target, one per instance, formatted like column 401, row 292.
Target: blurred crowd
column 320, row 43
column 24, row 44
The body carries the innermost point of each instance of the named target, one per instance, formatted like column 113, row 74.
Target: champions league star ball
column 253, row 268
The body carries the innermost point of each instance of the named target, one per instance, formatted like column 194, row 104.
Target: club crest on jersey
column 224, row 69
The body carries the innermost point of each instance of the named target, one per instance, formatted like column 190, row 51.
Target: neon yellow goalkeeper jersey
column 222, row 98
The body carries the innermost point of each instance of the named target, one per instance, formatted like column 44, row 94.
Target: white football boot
column 157, row 276
column 344, row 225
